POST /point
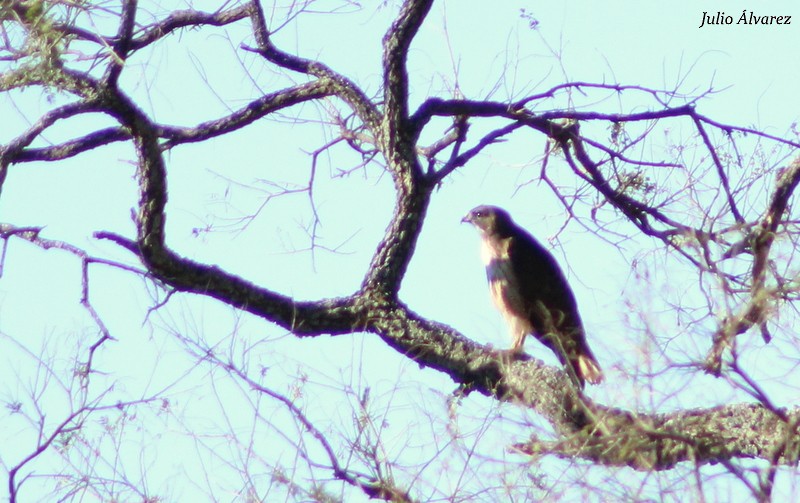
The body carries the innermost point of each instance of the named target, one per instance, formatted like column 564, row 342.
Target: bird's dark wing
column 548, row 300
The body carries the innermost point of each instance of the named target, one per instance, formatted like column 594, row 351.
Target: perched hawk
column 531, row 292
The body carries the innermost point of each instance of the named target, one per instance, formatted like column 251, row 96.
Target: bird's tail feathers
column 589, row 370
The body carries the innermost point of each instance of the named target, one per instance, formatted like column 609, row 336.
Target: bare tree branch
column 253, row 111
column 385, row 130
column 344, row 88
column 395, row 133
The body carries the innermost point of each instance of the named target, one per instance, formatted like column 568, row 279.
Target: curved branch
column 329, row 316
column 14, row 150
column 187, row 19
column 173, row 134
column 253, row 111
column 344, row 88
column 154, row 32
column 14, row 147
column 74, row 147
column 312, row 318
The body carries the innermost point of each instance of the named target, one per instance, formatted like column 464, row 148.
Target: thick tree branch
column 311, row 318
column 700, row 436
column 437, row 107
column 396, row 134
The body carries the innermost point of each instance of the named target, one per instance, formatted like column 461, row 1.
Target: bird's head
column 488, row 219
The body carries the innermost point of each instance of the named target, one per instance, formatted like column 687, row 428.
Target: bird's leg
column 518, row 342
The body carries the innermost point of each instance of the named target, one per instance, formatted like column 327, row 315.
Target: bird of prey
column 530, row 291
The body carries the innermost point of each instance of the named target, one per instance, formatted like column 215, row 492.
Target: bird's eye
column 479, row 214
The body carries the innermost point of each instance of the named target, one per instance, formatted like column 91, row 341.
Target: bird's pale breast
column 503, row 285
